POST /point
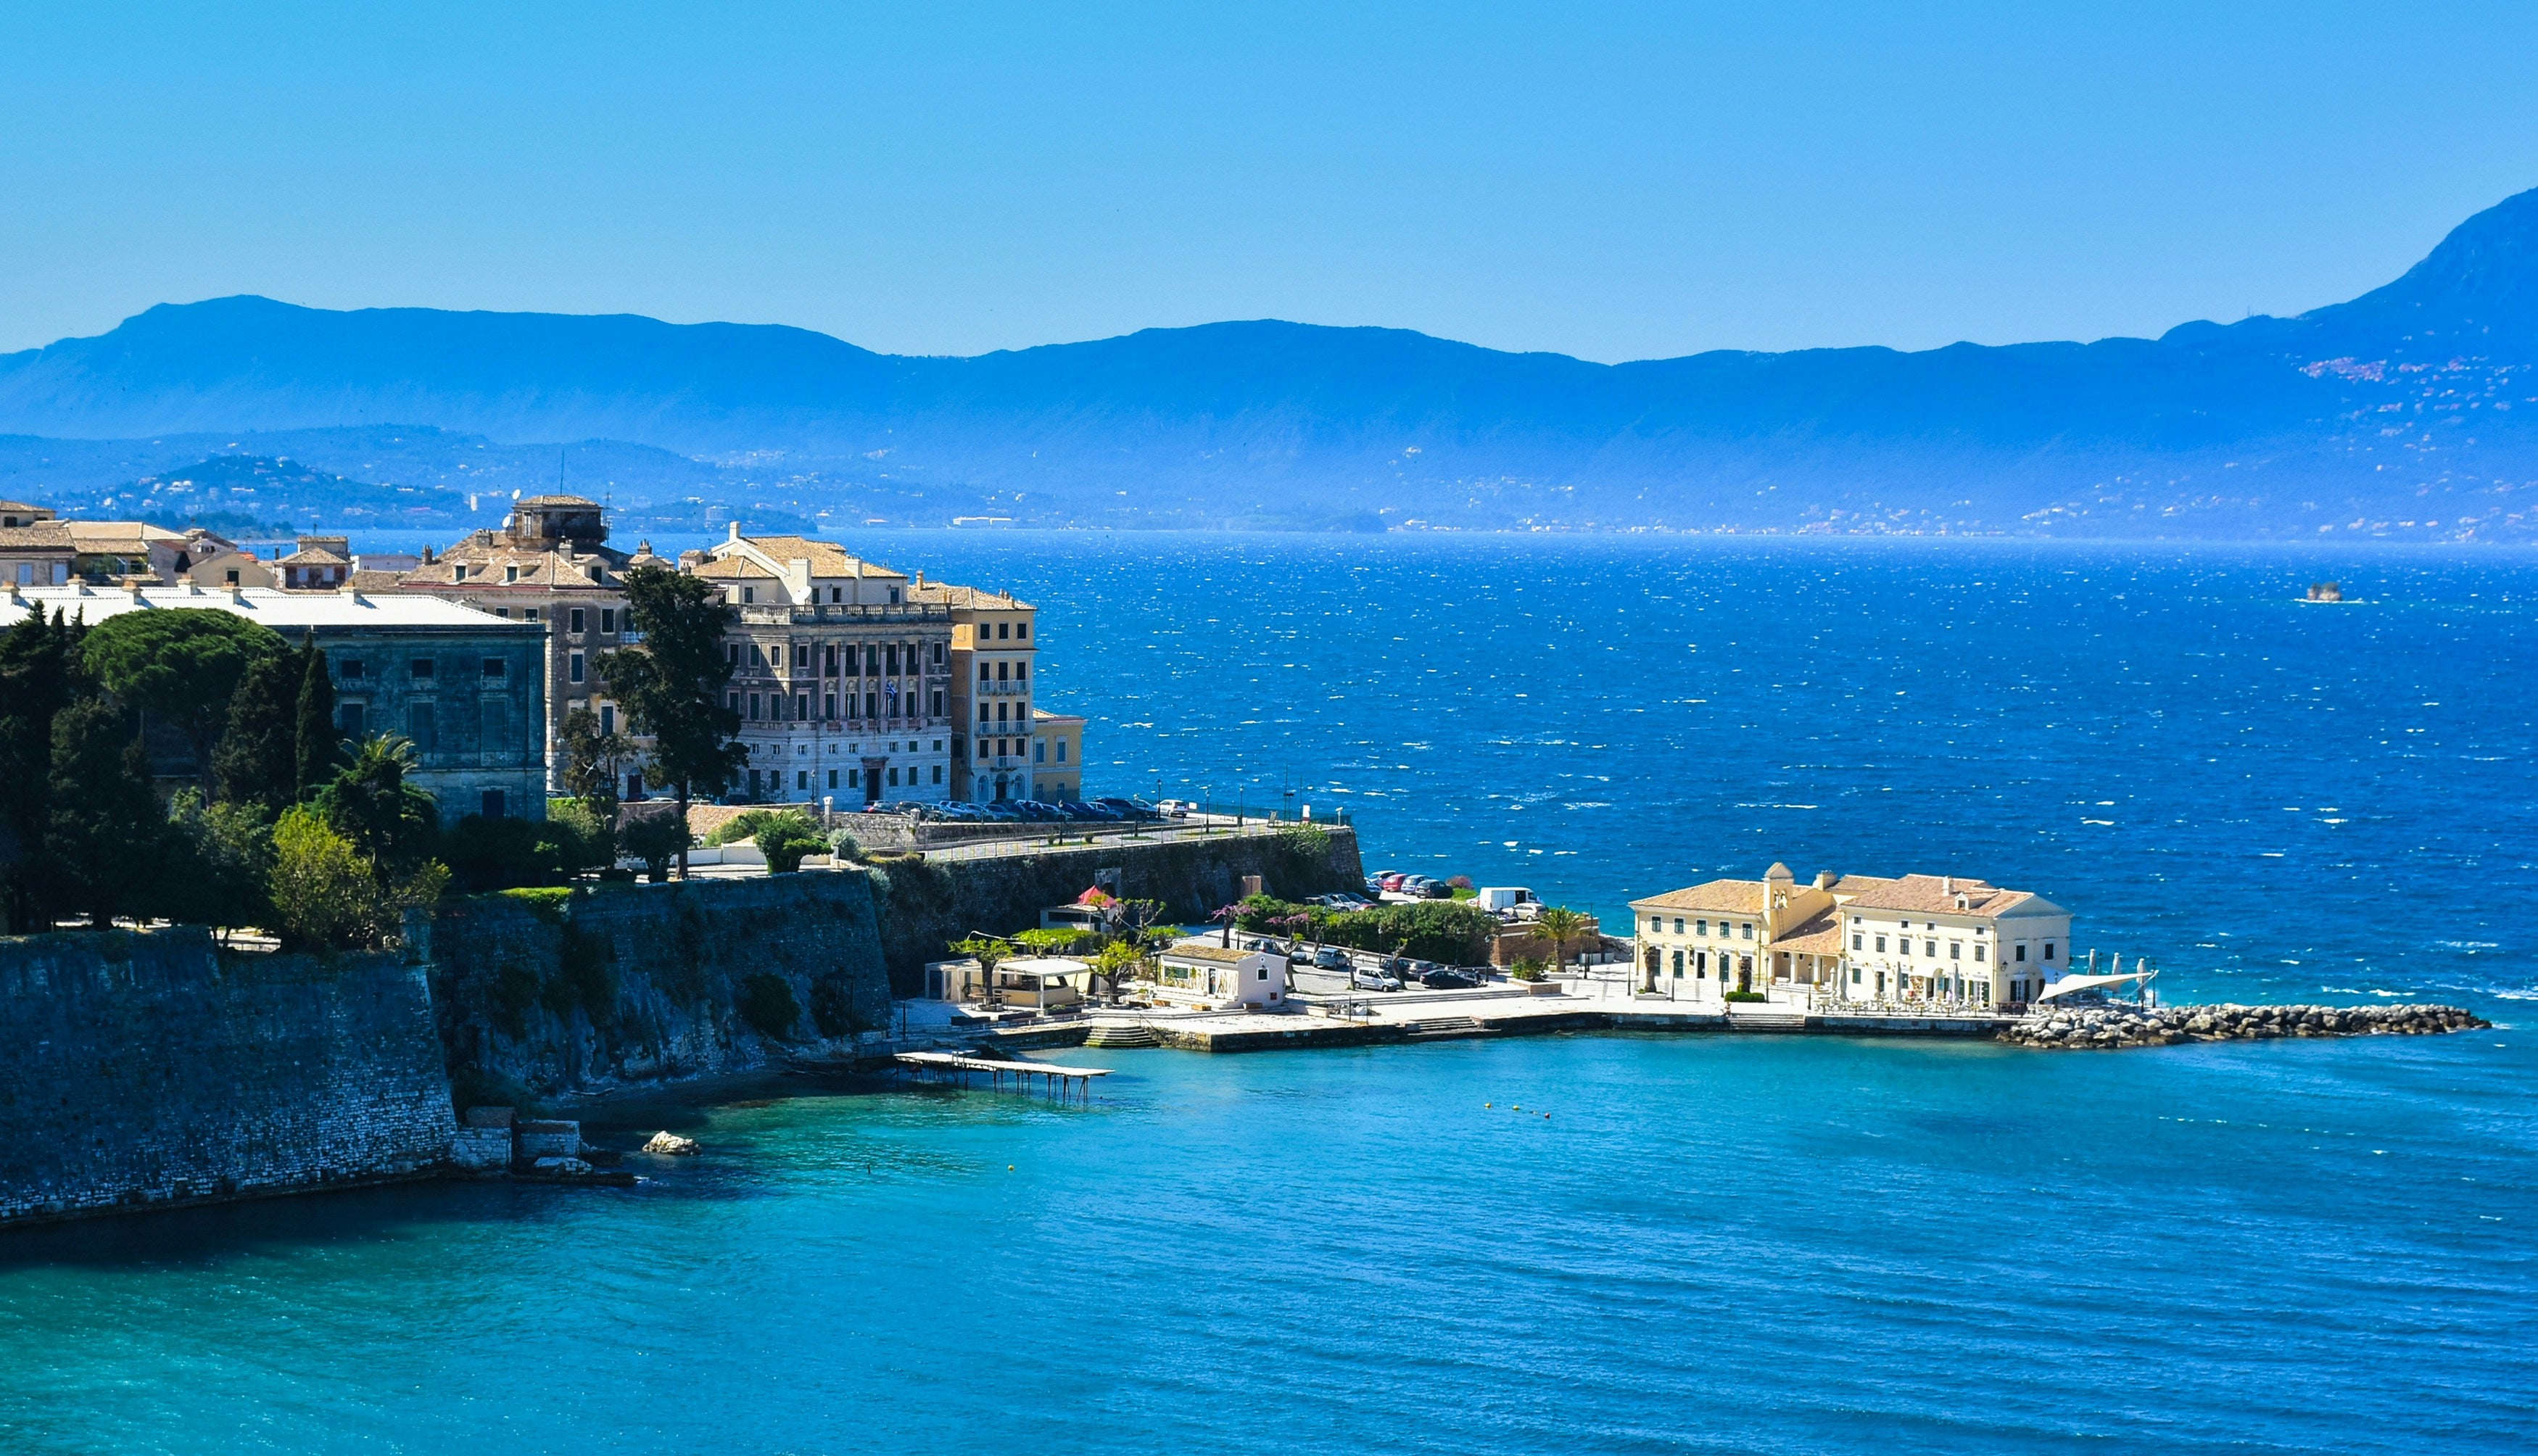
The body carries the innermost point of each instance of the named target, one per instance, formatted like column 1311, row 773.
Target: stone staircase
column 1133, row 1035
column 1448, row 1027
column 1774, row 1019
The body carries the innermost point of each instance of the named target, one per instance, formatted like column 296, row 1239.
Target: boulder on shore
column 672, row 1145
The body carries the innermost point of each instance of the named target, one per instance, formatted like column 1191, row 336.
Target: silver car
column 1374, row 980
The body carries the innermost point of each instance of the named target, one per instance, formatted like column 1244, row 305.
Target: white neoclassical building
column 1951, row 940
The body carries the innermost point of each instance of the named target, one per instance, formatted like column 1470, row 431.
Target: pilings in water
column 1062, row 1083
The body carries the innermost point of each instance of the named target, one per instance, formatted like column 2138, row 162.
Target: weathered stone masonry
column 152, row 1069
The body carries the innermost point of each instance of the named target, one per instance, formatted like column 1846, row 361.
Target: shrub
column 489, row 854
column 843, row 847
column 1449, row 931
column 1526, row 968
column 655, row 839
column 766, row 1001
column 742, row 825
column 584, row 840
column 785, row 838
column 1460, row 881
column 1747, row 996
column 322, row 890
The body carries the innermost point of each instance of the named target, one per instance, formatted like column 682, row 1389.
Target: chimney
column 1825, row 879
column 735, row 530
column 1947, row 883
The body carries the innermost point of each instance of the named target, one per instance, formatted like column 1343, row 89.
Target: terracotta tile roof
column 20, row 508
column 1933, row 895
column 1734, row 897
column 374, row 580
column 41, row 536
column 315, row 556
column 947, row 594
column 733, row 567
column 827, row 558
column 1821, row 935
column 1854, row 885
column 1221, row 955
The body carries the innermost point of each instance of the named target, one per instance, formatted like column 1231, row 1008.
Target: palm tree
column 1560, row 926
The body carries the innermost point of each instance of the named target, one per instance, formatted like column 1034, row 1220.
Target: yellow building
column 993, row 652
column 1724, row 936
column 1057, row 757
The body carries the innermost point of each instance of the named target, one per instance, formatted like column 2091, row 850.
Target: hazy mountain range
column 2411, row 411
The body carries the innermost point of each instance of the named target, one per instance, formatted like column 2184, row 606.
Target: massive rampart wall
column 150, row 1070
column 555, row 993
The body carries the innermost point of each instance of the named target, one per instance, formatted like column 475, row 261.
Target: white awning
column 2073, row 984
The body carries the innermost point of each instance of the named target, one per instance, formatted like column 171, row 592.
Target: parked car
column 1448, row 980
column 1332, row 957
column 1374, row 980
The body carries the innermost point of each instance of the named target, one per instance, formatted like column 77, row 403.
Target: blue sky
column 1609, row 181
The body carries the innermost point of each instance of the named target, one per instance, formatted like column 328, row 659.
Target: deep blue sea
column 1709, row 1243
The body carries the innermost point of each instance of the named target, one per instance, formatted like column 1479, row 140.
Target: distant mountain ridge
column 2412, row 402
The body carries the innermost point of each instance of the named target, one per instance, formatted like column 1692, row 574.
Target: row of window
column 839, row 659
column 1021, row 671
column 1019, row 712
column 1006, row 630
column 836, row 596
column 771, row 706
column 575, row 621
column 1006, row 748
column 1656, row 925
column 770, row 780
column 1699, row 963
column 427, row 669
column 422, row 722
column 1930, row 949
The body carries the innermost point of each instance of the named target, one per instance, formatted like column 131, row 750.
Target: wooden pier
column 1061, row 1082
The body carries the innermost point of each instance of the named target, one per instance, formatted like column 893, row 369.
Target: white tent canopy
column 2072, row 985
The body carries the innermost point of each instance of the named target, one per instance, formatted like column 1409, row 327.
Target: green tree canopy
column 181, row 668
column 39, row 676
column 317, row 744
column 592, row 762
column 388, row 821
column 105, row 832
column 259, row 759
column 671, row 684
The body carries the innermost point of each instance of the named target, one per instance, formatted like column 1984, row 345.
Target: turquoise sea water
column 1709, row 1243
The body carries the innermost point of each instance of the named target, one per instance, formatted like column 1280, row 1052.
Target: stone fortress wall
column 152, row 1070
column 142, row 1071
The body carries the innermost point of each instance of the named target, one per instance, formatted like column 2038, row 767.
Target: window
column 890, row 657
column 26, row 574
column 1022, row 629
column 833, row 778
column 421, row 669
column 1678, row 966
column 529, row 613
column 982, row 670
column 458, row 574
column 894, row 596
column 801, row 655
column 1039, row 750
column 731, row 702
column 1004, row 630
column 802, row 778
column 494, row 669
column 1881, row 944
column 830, row 660
column 983, row 713
column 509, row 574
column 572, row 669
column 1747, row 929
column 1061, row 751
column 350, row 670
column 1978, row 955
column 1855, row 941
column 938, row 654
column 832, row 705
column 938, row 702
column 894, row 778
column 749, row 594
column 855, row 778
column 502, row 610
column 608, row 717
column 801, row 707
column 350, row 717
column 1699, row 926
column 418, row 727
column 1678, row 927
column 1956, row 950
column 491, row 804
column 872, row 704
column 1930, row 949
column 576, row 627
column 2048, row 950
column 492, row 724
column 938, row 773
column 607, row 619
column 2022, row 949
column 1855, row 975
column 753, row 704
column 1022, row 669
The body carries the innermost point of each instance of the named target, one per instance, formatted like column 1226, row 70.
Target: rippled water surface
column 1708, row 1242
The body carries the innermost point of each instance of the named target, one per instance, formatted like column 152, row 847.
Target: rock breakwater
column 2106, row 1026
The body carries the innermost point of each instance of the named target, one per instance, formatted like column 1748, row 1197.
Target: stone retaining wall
column 149, row 1069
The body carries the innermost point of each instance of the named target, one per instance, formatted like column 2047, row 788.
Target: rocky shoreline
column 2097, row 1027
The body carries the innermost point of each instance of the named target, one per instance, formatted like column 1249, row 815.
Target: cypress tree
column 318, row 744
column 103, row 844
column 37, row 682
column 258, row 760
